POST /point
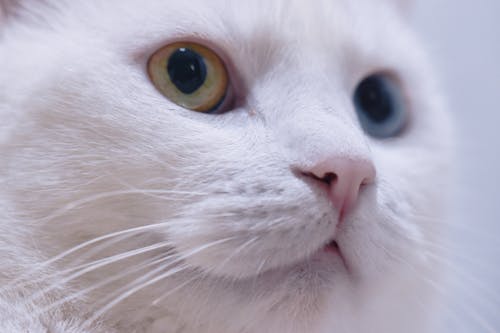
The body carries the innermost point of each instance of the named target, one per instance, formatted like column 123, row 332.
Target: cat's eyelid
column 234, row 96
column 382, row 104
column 220, row 46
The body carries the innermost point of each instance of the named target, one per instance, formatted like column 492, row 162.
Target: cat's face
column 91, row 148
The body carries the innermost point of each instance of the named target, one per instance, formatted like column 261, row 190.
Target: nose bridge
column 321, row 135
column 317, row 126
column 329, row 147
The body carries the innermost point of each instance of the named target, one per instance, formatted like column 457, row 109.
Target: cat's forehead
column 273, row 24
column 287, row 47
column 253, row 34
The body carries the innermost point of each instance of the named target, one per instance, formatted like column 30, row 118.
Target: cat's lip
column 328, row 254
column 333, row 248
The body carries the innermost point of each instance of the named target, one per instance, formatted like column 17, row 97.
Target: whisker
column 468, row 309
column 154, row 193
column 140, row 280
column 432, row 250
column 172, row 291
column 105, row 195
column 98, row 264
column 153, row 261
column 236, row 252
column 163, row 276
column 439, row 249
column 132, row 291
column 258, row 272
column 490, row 295
column 433, row 221
column 218, row 267
column 99, row 248
column 79, row 247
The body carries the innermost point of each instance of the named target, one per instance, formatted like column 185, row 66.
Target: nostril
column 328, row 178
column 343, row 178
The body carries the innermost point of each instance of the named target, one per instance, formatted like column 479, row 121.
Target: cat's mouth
column 332, row 246
column 330, row 250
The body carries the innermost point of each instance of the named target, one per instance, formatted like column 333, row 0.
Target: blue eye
column 380, row 106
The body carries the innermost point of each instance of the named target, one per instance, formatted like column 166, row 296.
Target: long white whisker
column 439, row 249
column 143, row 278
column 435, row 221
column 98, row 248
column 79, row 247
column 100, row 263
column 99, row 196
column 236, row 252
column 218, row 267
column 468, row 309
column 490, row 295
column 172, row 291
column 156, row 260
column 132, row 291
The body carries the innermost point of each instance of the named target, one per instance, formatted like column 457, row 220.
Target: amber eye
column 190, row 75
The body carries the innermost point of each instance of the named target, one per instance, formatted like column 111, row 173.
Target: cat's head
column 325, row 129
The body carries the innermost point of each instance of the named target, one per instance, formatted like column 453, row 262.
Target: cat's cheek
column 243, row 253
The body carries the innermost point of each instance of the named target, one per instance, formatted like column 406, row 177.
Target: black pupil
column 374, row 99
column 187, row 70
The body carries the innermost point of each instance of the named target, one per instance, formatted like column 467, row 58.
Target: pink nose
column 344, row 178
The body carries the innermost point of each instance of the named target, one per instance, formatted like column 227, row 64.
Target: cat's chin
column 326, row 263
column 324, row 256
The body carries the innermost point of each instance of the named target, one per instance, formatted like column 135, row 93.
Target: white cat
column 218, row 166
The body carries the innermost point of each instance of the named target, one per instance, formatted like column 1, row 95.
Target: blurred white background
column 464, row 40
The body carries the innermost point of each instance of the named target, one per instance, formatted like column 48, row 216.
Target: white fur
column 90, row 148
